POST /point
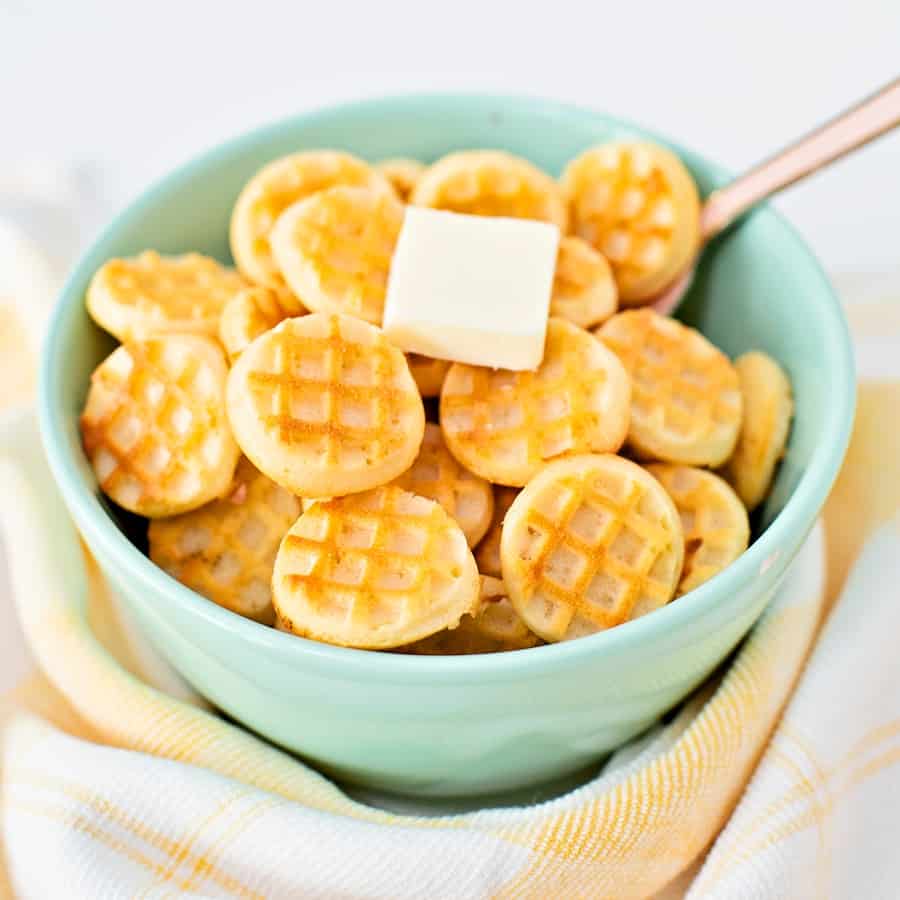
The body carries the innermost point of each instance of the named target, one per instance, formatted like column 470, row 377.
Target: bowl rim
column 94, row 522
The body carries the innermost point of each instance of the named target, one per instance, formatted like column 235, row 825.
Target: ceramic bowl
column 454, row 726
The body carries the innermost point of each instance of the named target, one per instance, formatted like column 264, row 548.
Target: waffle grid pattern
column 504, row 425
column 154, row 424
column 685, row 399
column 276, row 187
column 377, row 569
column 132, row 298
column 637, row 205
column 584, row 289
column 591, row 552
column 372, row 398
column 253, row 312
column 624, row 207
column 437, row 475
column 714, row 521
column 335, row 248
column 226, row 549
column 491, row 183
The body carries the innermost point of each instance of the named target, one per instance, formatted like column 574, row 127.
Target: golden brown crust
column 584, row 289
column 325, row 406
column 274, row 188
column 437, row 475
column 505, row 425
column 686, row 404
column 334, row 249
column 714, row 521
column 768, row 409
column 226, row 549
column 590, row 542
column 151, row 294
column 491, row 183
column 374, row 570
column 154, row 425
column 636, row 203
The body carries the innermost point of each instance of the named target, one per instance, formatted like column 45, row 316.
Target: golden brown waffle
column 378, row 569
column 713, row 519
column 584, row 289
column 768, row 409
column 152, row 294
column 495, row 627
column 226, row 549
column 637, row 204
column 253, row 312
column 487, row 554
column 274, row 188
column 325, row 406
column 505, row 425
column 591, row 542
column 685, row 401
column 428, row 373
column 491, row 183
column 437, row 475
column 154, row 425
column 334, row 249
column 402, row 173
column 307, row 502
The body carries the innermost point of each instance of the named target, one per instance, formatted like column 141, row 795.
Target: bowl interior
column 757, row 287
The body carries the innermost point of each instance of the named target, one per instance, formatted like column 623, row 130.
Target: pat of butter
column 474, row 289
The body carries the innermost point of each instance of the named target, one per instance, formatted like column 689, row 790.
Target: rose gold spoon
column 849, row 131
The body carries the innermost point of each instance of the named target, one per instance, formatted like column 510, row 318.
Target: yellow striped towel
column 118, row 782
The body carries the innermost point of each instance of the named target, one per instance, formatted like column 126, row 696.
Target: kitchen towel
column 777, row 779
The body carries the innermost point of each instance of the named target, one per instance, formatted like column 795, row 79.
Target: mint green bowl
column 433, row 726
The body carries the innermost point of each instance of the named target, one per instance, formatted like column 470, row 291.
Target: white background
column 141, row 87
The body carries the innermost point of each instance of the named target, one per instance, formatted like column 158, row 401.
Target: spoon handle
column 848, row 131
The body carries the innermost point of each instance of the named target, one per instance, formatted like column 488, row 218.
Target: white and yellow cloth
column 118, row 782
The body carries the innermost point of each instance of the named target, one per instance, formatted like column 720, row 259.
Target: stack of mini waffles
column 299, row 469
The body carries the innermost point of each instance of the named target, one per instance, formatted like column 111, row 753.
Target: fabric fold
column 188, row 778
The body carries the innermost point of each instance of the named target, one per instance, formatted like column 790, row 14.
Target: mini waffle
column 226, row 549
column 437, row 475
column 307, row 502
column 274, row 188
column 154, row 425
column 584, row 289
column 487, row 554
column 493, row 628
column 491, row 183
column 713, row 519
column 590, row 543
column 768, row 409
column 403, row 174
column 253, row 312
column 505, row 425
column 428, row 373
column 334, row 249
column 685, row 400
column 638, row 205
column 375, row 570
column 152, row 294
column 325, row 406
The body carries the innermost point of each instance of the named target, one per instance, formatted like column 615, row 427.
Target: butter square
column 473, row 289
